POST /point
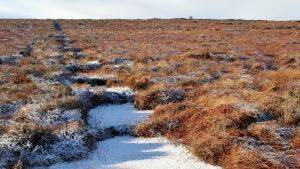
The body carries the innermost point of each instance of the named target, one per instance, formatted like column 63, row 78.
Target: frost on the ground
column 6, row 157
column 93, row 64
column 138, row 153
column 8, row 109
column 79, row 55
column 70, row 139
column 10, row 60
column 55, row 117
column 91, row 80
column 97, row 95
column 258, row 116
column 70, row 150
column 73, row 67
column 149, row 100
column 114, row 95
column 65, row 146
column 64, row 150
column 118, row 62
column 124, row 92
column 106, row 116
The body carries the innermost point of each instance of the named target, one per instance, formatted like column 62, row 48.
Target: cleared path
column 126, row 152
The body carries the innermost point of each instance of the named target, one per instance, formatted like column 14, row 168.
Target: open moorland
column 228, row 90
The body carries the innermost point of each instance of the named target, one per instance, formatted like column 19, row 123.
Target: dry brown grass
column 157, row 95
column 70, row 102
column 287, row 107
column 228, row 71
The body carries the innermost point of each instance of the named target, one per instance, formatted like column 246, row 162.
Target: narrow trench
column 115, row 146
column 121, row 150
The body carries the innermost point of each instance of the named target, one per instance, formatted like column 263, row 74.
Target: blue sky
column 130, row 9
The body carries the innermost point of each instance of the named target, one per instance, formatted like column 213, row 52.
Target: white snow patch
column 127, row 152
column 138, row 153
column 92, row 75
column 120, row 90
column 93, row 62
column 110, row 115
column 123, row 91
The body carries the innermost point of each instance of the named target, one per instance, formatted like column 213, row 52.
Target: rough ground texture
column 127, row 151
column 228, row 89
column 43, row 111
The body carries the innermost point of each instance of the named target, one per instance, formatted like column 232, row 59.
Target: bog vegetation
column 227, row 89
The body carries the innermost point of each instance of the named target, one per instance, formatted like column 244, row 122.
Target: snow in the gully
column 126, row 152
column 116, row 115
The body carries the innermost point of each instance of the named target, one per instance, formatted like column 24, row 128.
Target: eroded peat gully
column 143, row 93
column 112, row 123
